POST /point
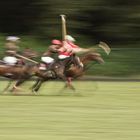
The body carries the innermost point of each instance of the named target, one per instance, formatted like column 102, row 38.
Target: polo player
column 64, row 50
column 12, row 48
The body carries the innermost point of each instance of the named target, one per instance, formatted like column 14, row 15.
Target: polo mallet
column 28, row 59
column 105, row 47
column 64, row 31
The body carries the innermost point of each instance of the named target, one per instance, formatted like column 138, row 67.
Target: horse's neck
column 85, row 60
column 34, row 68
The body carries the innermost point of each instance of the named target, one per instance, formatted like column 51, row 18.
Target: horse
column 18, row 73
column 66, row 70
column 75, row 72
column 21, row 71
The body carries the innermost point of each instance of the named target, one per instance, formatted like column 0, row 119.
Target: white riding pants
column 62, row 56
column 47, row 59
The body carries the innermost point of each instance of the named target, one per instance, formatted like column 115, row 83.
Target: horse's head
column 92, row 57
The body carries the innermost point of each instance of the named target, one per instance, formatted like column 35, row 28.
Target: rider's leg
column 78, row 62
column 47, row 61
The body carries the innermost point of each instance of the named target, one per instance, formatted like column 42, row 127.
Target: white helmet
column 12, row 38
column 70, row 38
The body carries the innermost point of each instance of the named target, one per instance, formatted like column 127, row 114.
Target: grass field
column 95, row 111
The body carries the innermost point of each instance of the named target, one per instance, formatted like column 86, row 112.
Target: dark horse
column 67, row 70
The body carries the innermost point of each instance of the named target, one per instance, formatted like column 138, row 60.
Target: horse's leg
column 37, row 86
column 8, row 85
column 17, row 84
column 34, row 85
column 69, row 83
column 61, row 75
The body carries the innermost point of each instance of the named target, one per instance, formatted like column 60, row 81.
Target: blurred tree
column 112, row 20
column 17, row 16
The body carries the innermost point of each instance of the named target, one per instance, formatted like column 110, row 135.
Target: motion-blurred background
column 115, row 22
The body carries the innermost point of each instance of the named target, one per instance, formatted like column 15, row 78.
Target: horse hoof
column 34, row 91
column 70, row 87
column 73, row 88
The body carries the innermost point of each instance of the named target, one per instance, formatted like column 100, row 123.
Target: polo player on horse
column 65, row 49
column 12, row 48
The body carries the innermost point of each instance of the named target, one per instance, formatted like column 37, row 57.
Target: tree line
column 116, row 21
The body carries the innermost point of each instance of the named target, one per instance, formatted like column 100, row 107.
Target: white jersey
column 10, row 60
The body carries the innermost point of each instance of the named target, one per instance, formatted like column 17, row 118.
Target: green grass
column 95, row 111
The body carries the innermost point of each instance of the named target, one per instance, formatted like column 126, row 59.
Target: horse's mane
column 91, row 56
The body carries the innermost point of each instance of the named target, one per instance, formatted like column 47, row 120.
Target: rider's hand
column 62, row 49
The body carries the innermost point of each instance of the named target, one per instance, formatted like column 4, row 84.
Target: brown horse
column 21, row 71
column 75, row 72
column 66, row 70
